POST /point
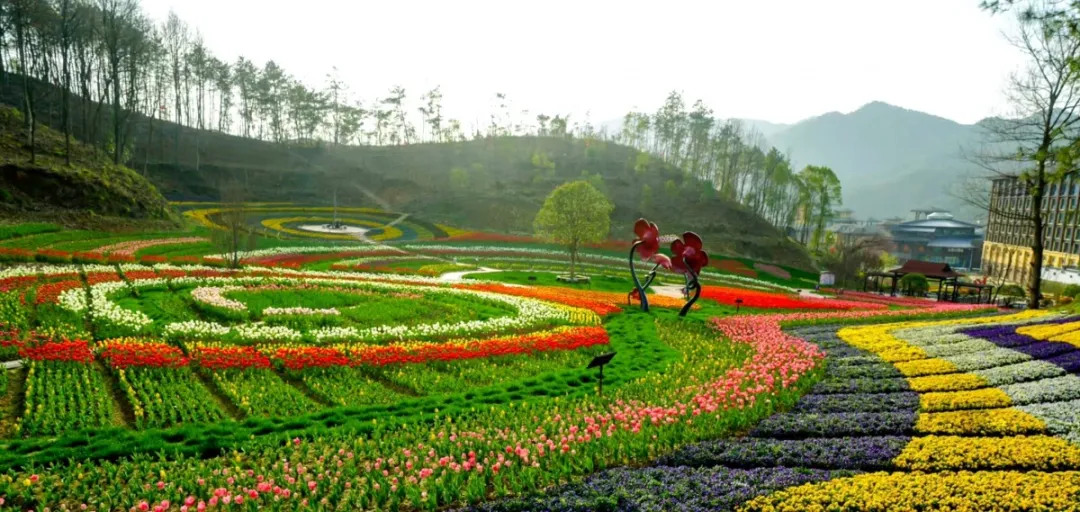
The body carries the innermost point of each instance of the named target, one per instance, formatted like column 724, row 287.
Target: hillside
column 490, row 184
column 889, row 159
column 493, row 184
column 51, row 188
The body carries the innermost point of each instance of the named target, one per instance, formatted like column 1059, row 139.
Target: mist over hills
column 889, row 159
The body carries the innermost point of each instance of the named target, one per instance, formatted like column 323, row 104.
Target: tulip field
column 323, row 376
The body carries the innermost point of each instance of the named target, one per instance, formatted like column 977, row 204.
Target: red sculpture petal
column 692, row 240
column 662, row 260
column 640, row 227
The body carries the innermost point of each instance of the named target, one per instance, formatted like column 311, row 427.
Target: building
column 939, row 238
column 1007, row 250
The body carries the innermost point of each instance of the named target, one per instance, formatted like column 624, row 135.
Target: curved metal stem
column 637, row 283
column 692, row 280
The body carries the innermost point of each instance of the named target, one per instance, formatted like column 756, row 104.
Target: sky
column 775, row 60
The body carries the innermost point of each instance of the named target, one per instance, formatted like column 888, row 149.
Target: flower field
column 341, row 377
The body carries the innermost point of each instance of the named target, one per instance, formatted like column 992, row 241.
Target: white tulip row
column 531, row 312
column 272, row 311
column 215, row 296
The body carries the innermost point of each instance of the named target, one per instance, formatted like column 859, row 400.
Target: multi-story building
column 939, row 238
column 1007, row 250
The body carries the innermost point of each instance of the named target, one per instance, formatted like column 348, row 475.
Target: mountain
column 889, row 159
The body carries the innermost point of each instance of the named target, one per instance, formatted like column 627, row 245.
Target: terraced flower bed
column 181, row 387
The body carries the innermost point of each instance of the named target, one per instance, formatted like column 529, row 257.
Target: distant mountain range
column 889, row 159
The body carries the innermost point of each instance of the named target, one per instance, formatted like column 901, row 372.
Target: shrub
column 1011, row 290
column 914, row 284
column 1071, row 291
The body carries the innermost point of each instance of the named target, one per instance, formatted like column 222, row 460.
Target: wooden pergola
column 948, row 280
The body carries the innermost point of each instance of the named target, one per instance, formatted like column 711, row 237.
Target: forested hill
column 493, row 183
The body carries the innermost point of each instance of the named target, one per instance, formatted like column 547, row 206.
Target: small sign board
column 601, row 360
column 827, row 278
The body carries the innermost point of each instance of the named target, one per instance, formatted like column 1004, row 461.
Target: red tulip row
column 565, row 339
column 228, row 357
column 766, row 300
column 66, row 350
column 133, row 352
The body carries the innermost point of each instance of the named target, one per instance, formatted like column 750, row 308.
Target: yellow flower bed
column 953, row 453
column 278, row 224
column 951, row 382
column 452, row 231
column 986, row 491
column 1045, row 332
column 923, row 367
column 956, row 400
column 1072, row 338
column 202, row 215
column 985, row 422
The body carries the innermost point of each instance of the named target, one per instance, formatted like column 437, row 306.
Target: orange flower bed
column 601, row 303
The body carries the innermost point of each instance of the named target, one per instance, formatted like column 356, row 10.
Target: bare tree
column 1029, row 145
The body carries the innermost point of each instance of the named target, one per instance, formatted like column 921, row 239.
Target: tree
column 849, row 258
column 824, row 193
column 1037, row 145
column 234, row 217
column 575, row 213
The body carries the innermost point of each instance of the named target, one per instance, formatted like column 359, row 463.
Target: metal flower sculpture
column 647, row 244
column 688, row 258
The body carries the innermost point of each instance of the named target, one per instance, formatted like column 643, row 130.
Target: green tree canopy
column 575, row 213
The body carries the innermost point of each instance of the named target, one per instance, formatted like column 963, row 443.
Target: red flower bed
column 116, row 257
column 191, row 260
column 223, row 358
column 296, row 260
column 102, row 277
column 152, row 259
column 77, row 351
column 298, row 358
column 885, row 299
column 16, row 283
column 765, row 300
column 571, row 339
column 87, row 257
column 734, row 267
column 134, row 275
column 10, row 337
column 53, row 256
column 11, row 254
column 171, row 273
column 50, row 292
column 127, row 352
column 601, row 303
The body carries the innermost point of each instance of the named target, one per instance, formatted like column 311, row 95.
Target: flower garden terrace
column 168, row 386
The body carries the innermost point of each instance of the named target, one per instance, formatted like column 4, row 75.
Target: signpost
column 738, row 303
column 599, row 362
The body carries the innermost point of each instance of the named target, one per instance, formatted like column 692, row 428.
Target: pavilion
column 948, row 280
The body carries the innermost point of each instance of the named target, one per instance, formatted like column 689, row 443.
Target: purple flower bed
column 1045, row 349
column 1069, row 362
column 662, row 489
column 1062, row 354
column 840, row 370
column 865, row 453
column 859, row 402
column 831, row 385
column 800, row 425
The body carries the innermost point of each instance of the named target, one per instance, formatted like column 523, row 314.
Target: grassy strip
column 31, row 228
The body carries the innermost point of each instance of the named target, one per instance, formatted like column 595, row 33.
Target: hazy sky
column 777, row 60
